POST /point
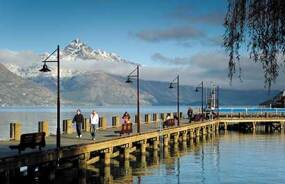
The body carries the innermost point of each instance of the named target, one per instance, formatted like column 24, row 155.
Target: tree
column 261, row 25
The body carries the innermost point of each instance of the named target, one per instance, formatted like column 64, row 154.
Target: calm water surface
column 231, row 158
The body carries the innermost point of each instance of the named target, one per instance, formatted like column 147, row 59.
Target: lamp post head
column 45, row 68
column 171, row 85
column 129, row 80
column 196, row 90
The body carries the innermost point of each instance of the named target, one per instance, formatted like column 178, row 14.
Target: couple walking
column 79, row 119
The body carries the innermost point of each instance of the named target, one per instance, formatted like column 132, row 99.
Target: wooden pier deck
column 109, row 145
column 70, row 139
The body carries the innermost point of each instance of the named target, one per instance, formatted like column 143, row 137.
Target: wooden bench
column 126, row 129
column 168, row 123
column 30, row 140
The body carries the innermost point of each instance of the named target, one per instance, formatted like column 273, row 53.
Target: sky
column 181, row 37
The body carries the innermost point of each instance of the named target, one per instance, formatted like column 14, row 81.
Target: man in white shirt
column 94, row 121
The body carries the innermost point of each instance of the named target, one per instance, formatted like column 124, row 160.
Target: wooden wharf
column 109, row 146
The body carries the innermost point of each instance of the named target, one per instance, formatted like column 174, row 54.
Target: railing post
column 147, row 118
column 154, row 117
column 116, row 121
column 103, row 122
column 181, row 115
column 43, row 127
column 67, row 126
column 86, row 125
column 15, row 131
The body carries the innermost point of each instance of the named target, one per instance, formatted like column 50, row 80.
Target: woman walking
column 94, row 121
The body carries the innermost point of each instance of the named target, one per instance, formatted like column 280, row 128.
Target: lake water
column 232, row 158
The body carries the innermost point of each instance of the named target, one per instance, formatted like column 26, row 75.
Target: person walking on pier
column 190, row 114
column 94, row 120
column 78, row 119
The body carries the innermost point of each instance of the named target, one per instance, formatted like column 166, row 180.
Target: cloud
column 183, row 36
column 212, row 66
column 190, row 15
column 175, row 33
column 172, row 61
column 206, row 66
column 23, row 57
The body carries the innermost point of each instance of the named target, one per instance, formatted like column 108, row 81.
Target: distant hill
column 278, row 101
column 100, row 88
column 15, row 90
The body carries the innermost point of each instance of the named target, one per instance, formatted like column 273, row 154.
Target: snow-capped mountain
column 75, row 52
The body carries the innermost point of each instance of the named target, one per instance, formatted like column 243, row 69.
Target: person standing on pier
column 94, row 120
column 78, row 119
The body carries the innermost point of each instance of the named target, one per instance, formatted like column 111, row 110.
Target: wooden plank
column 93, row 169
column 93, row 160
column 117, row 153
column 133, row 149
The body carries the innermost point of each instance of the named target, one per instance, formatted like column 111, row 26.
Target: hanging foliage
column 261, row 25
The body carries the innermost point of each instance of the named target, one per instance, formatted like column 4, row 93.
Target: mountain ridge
column 17, row 91
column 101, row 88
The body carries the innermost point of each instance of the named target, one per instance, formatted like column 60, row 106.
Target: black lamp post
column 129, row 80
column 177, row 85
column 46, row 69
column 201, row 85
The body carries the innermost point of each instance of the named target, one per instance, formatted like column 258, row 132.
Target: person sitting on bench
column 126, row 125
